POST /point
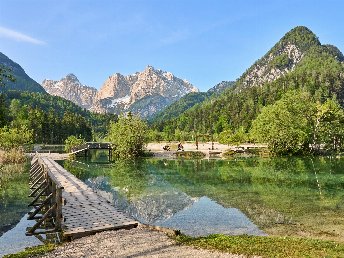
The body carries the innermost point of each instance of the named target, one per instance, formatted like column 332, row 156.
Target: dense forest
column 188, row 101
column 50, row 119
column 292, row 98
column 320, row 73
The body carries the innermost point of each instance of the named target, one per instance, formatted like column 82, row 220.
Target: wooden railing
column 47, row 203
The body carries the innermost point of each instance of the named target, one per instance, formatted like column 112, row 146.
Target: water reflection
column 15, row 239
column 279, row 195
column 13, row 219
column 206, row 217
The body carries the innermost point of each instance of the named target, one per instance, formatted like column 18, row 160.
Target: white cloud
column 15, row 35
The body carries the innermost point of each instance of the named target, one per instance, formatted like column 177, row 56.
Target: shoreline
column 137, row 242
column 209, row 149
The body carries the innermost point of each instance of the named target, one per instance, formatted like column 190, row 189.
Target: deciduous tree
column 128, row 136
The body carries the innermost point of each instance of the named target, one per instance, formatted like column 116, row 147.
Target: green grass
column 267, row 246
column 190, row 154
column 32, row 251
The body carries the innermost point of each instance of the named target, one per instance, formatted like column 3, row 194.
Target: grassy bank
column 33, row 251
column 243, row 245
column 266, row 246
column 12, row 163
column 10, row 171
column 12, row 156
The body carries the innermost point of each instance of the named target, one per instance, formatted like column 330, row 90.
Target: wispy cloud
column 18, row 36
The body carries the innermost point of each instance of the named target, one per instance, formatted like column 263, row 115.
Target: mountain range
column 297, row 60
column 142, row 93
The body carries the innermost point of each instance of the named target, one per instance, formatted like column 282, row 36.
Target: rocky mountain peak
column 300, row 36
column 282, row 58
column 149, row 68
column 71, row 77
column 143, row 92
column 70, row 88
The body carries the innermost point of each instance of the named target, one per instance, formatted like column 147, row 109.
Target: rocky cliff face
column 281, row 59
column 143, row 93
column 273, row 66
column 70, row 88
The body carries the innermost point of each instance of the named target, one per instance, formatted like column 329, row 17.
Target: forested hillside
column 188, row 101
column 51, row 119
column 22, row 81
column 297, row 62
column 178, row 107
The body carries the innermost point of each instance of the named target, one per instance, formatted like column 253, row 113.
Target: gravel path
column 138, row 242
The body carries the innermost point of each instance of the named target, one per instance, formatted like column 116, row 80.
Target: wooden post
column 196, row 143
column 58, row 213
column 212, row 142
column 33, row 203
column 39, row 222
column 40, row 179
column 36, row 189
column 53, row 199
column 110, row 155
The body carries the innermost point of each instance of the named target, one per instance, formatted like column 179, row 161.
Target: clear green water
column 276, row 196
column 13, row 201
column 13, row 221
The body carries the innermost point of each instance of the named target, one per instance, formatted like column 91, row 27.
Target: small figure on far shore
column 166, row 148
column 180, row 147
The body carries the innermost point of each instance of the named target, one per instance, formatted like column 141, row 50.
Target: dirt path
column 138, row 242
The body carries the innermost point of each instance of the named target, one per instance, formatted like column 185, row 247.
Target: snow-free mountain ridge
column 143, row 93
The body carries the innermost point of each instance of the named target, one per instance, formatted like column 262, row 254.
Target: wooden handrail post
column 59, row 203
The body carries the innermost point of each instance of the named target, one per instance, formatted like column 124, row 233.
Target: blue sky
column 203, row 41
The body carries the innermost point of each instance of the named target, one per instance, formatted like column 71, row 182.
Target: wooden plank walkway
column 84, row 212
column 91, row 146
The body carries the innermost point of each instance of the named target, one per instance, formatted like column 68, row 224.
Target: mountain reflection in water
column 289, row 196
column 175, row 209
column 206, row 217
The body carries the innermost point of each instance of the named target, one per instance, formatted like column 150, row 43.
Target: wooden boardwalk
column 83, row 211
column 91, row 146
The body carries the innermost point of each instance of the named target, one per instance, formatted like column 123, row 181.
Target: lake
column 256, row 196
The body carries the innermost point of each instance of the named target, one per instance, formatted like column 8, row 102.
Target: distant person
column 166, row 148
column 180, row 147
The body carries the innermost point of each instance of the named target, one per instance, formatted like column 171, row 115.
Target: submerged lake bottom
column 301, row 197
column 254, row 196
column 205, row 217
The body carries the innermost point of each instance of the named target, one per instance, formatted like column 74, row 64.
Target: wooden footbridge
column 86, row 147
column 64, row 203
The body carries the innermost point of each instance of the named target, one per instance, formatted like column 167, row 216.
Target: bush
column 128, row 136
column 12, row 156
column 72, row 141
column 14, row 137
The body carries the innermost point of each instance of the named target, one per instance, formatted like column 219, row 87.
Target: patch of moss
column 148, row 154
column 266, row 246
column 228, row 153
column 190, row 154
column 32, row 251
